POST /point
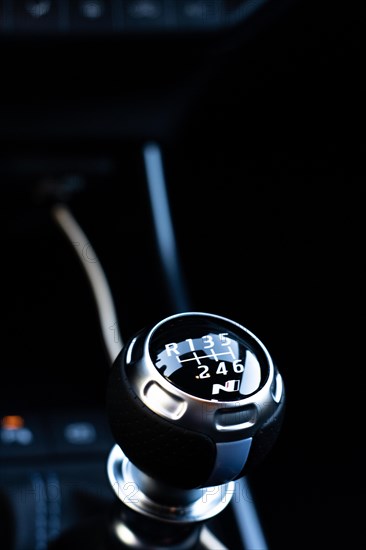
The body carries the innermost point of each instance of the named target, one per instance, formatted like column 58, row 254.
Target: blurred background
column 261, row 128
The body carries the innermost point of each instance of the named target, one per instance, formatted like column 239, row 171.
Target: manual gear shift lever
column 194, row 403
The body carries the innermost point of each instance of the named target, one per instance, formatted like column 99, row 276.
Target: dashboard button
column 144, row 13
column 36, row 15
column 21, row 435
column 198, row 13
column 92, row 10
column 93, row 16
column 38, row 8
column 79, row 432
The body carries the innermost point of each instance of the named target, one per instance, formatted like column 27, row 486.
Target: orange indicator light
column 12, row 422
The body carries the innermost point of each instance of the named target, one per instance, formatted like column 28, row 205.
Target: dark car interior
column 256, row 110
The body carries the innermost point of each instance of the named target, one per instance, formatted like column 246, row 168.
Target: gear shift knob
column 195, row 401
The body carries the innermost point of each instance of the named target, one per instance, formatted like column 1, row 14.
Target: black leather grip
column 265, row 438
column 176, row 456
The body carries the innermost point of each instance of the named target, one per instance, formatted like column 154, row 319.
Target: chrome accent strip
column 163, row 223
column 277, row 394
column 232, row 453
column 210, row 541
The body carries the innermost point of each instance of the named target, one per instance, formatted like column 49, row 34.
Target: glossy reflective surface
column 209, row 357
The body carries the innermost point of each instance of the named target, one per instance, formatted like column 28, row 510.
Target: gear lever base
column 156, row 501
